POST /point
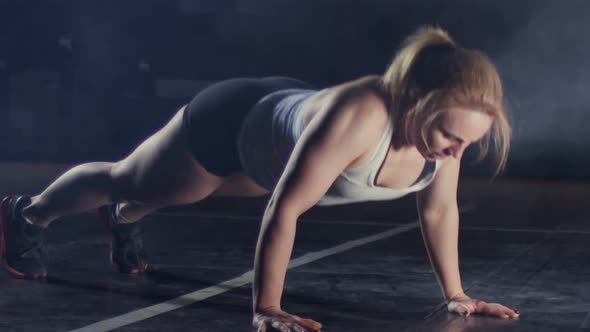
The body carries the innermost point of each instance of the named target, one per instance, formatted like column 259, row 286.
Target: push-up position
column 375, row 138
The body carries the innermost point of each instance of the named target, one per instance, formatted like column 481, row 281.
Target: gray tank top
column 270, row 132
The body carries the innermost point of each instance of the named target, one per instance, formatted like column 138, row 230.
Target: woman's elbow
column 439, row 213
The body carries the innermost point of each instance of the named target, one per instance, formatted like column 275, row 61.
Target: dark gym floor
column 360, row 267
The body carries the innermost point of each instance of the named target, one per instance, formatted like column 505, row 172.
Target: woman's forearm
column 441, row 236
column 273, row 251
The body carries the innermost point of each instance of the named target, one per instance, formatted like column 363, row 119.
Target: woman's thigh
column 162, row 170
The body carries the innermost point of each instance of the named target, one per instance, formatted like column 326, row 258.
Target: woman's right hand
column 278, row 320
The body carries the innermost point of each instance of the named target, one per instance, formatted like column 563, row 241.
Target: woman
column 375, row 138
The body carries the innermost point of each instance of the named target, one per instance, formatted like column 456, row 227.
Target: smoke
column 546, row 68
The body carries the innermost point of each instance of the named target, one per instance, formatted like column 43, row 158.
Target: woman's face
column 453, row 132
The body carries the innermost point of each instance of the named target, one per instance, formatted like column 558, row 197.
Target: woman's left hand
column 465, row 306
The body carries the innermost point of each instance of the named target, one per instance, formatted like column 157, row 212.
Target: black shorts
column 213, row 118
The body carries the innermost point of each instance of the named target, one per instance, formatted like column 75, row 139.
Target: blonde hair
column 431, row 72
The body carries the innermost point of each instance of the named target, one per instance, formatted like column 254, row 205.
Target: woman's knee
column 122, row 181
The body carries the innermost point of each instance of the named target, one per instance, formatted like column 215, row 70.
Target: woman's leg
column 80, row 189
column 160, row 172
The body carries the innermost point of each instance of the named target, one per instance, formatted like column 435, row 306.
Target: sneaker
column 126, row 245
column 22, row 249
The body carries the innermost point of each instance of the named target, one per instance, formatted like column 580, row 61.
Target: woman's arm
column 439, row 220
column 338, row 136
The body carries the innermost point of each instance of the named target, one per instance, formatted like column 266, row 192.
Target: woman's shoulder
column 362, row 85
column 363, row 96
column 358, row 100
column 355, row 107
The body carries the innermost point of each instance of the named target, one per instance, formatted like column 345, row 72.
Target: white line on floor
column 244, row 279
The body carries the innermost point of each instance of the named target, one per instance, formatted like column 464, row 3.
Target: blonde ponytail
column 395, row 79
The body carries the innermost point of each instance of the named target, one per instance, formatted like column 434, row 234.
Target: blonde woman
column 380, row 138
column 375, row 138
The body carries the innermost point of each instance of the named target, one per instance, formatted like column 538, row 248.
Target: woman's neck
column 401, row 141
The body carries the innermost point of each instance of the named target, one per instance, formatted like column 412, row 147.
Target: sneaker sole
column 4, row 211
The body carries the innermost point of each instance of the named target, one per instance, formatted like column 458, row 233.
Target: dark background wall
column 87, row 80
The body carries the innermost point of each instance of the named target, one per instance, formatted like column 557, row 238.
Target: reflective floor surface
column 360, row 267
